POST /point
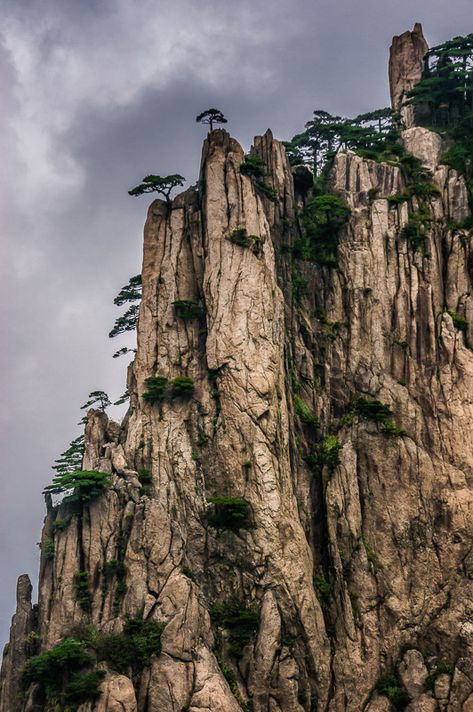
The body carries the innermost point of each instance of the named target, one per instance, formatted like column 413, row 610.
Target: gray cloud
column 96, row 95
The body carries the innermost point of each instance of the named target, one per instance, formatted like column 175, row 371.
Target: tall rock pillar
column 16, row 651
column 406, row 57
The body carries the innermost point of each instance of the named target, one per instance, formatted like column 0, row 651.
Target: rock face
column 405, row 68
column 18, row 649
column 345, row 570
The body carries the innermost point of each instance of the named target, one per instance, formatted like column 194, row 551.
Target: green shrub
column 50, row 665
column 323, row 218
column 253, row 166
column 182, row 386
column 60, row 524
column 306, row 415
column 397, row 198
column 267, row 190
column 188, row 309
column 145, row 479
column 156, row 389
column 240, row 621
column 160, row 389
column 47, row 549
column 322, row 585
column 133, row 648
column 110, row 568
column 457, row 157
column 390, row 686
column 435, row 672
column 380, row 413
column 370, row 553
column 414, row 231
column 83, row 687
column 302, row 249
column 389, row 428
column 84, row 485
column 422, row 189
column 372, row 410
column 231, row 513
column 81, row 590
column 459, row 322
column 327, row 453
column 241, row 238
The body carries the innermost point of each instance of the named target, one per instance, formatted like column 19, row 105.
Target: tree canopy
column 97, row 397
column 444, row 95
column 82, row 485
column 443, row 100
column 158, row 184
column 211, row 117
column 131, row 292
column 71, row 459
column 325, row 135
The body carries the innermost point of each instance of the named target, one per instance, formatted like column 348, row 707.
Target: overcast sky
column 96, row 94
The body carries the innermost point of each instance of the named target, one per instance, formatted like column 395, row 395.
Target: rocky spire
column 405, row 68
column 17, row 650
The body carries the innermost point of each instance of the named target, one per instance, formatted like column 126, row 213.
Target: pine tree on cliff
column 444, row 95
column 158, row 184
column 97, row 397
column 211, row 117
column 131, row 292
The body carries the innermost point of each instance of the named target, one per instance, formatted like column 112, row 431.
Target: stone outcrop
column 405, row 69
column 353, row 569
column 20, row 647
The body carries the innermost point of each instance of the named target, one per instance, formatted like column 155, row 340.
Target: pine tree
column 211, row 117
column 158, row 184
column 99, row 397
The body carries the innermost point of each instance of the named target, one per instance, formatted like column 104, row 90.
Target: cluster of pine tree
column 373, row 135
column 443, row 101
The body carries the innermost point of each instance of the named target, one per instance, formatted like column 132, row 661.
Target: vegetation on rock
column 83, row 485
column 82, row 590
column 254, row 167
column 58, row 672
column 443, row 100
column 211, row 117
column 131, row 292
column 160, row 389
column 132, row 649
column 163, row 185
column 188, row 309
column 47, row 549
column 71, row 459
column 156, row 389
column 229, row 513
column 99, row 398
column 306, row 415
column 327, row 453
column 239, row 620
column 390, row 686
column 241, row 238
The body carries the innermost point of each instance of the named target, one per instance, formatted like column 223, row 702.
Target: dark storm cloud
column 97, row 94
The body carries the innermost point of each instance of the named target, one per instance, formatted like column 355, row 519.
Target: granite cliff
column 294, row 549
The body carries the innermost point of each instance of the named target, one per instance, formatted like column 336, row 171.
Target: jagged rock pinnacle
column 405, row 68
